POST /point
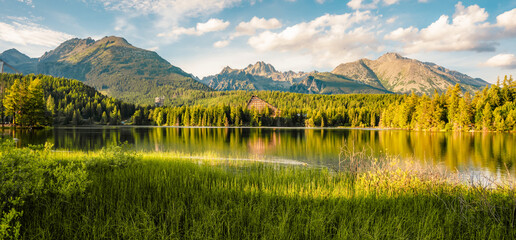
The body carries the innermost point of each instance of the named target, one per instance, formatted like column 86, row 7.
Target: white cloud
column 249, row 28
column 329, row 39
column 507, row 20
column 122, row 24
column 212, row 25
column 28, row 2
column 31, row 34
column 169, row 12
column 359, row 4
column 403, row 34
column 390, row 2
column 392, row 20
column 503, row 61
column 221, row 44
column 468, row 30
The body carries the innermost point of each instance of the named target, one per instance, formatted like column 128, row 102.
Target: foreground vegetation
column 115, row 193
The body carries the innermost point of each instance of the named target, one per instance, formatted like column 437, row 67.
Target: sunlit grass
column 175, row 196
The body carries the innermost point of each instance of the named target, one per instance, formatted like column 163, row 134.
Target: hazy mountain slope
column 459, row 76
column 403, row 75
column 389, row 73
column 118, row 69
column 358, row 71
column 18, row 60
column 329, row 83
column 232, row 79
column 260, row 76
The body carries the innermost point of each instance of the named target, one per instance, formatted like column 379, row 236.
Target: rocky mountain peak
column 390, row 56
column 260, row 68
column 13, row 51
column 67, row 48
column 226, row 70
column 113, row 41
column 13, row 56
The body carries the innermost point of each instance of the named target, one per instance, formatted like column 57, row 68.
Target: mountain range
column 390, row 73
column 118, row 69
column 111, row 65
column 260, row 76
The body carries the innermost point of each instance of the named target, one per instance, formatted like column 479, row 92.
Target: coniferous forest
column 59, row 101
column 40, row 100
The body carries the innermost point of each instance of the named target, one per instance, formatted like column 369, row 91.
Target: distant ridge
column 19, row 60
column 390, row 73
column 258, row 76
column 398, row 74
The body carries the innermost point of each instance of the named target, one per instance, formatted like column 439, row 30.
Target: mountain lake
column 480, row 153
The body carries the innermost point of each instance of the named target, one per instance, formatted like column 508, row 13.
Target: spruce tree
column 35, row 105
column 14, row 101
column 104, row 119
column 51, row 105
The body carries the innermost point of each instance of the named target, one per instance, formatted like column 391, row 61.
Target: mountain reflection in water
column 486, row 152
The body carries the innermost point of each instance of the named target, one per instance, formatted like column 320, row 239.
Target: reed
column 154, row 196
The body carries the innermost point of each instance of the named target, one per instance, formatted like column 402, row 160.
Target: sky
column 477, row 38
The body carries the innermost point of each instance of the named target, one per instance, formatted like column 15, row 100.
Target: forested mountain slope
column 114, row 67
column 58, row 101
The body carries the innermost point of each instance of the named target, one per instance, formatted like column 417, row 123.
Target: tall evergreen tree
column 35, row 104
column 14, row 101
column 51, row 105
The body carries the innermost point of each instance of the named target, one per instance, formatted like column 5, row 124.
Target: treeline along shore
column 40, row 100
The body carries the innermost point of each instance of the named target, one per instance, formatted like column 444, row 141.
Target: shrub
column 113, row 157
column 29, row 174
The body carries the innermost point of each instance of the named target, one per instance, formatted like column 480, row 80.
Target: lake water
column 479, row 152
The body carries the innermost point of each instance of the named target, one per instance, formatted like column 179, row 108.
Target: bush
column 113, row 157
column 29, row 174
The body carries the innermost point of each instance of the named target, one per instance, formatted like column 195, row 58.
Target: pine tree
column 76, row 119
column 452, row 101
column 160, row 119
column 14, row 100
column 237, row 120
column 118, row 118
column 51, row 105
column 104, row 119
column 487, row 117
column 35, row 105
column 465, row 112
column 99, row 111
column 114, row 117
column 186, row 117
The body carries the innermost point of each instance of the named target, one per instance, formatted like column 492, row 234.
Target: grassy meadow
column 118, row 194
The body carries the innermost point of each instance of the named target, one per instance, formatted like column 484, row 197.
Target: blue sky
column 203, row 36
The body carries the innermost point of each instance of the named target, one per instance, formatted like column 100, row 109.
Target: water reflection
column 490, row 152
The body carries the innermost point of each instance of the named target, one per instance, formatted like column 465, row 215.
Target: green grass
column 154, row 196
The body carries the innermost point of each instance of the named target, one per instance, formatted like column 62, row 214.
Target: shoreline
column 262, row 127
